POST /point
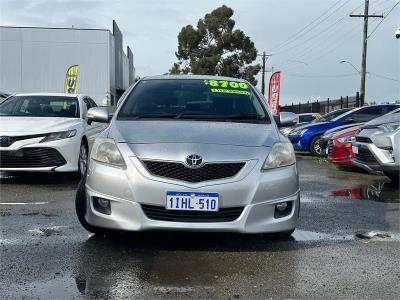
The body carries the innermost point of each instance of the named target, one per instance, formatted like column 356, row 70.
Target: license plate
column 192, row 201
column 355, row 149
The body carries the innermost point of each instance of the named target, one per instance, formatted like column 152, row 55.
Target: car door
column 92, row 130
column 96, row 126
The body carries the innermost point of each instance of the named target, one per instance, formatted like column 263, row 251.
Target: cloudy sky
column 308, row 38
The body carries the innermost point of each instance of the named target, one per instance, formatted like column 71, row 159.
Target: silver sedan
column 197, row 153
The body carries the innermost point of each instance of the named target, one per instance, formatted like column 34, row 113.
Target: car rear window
column 197, row 99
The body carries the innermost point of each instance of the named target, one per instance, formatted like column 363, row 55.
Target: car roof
column 50, row 94
column 191, row 77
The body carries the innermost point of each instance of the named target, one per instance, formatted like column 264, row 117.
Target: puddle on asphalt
column 380, row 191
column 307, row 236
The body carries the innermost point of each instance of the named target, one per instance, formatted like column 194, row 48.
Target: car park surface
column 45, row 253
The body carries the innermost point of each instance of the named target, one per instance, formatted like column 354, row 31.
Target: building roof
column 39, row 27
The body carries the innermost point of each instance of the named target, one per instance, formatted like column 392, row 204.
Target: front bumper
column 298, row 143
column 341, row 153
column 67, row 149
column 366, row 159
column 257, row 192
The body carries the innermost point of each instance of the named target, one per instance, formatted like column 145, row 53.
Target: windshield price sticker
column 228, row 87
column 225, row 91
column 227, row 84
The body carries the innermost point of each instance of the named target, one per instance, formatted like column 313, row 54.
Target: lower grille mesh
column 330, row 148
column 162, row 214
column 31, row 158
column 365, row 155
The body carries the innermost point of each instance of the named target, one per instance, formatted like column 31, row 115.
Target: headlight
column 391, row 126
column 281, row 155
column 299, row 132
column 347, row 139
column 286, row 131
column 54, row 136
column 105, row 150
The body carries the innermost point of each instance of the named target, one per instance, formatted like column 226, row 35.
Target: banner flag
column 274, row 92
column 70, row 80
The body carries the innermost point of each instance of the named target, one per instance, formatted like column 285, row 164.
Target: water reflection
column 183, row 265
column 381, row 191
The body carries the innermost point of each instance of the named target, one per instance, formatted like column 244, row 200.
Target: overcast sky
column 309, row 61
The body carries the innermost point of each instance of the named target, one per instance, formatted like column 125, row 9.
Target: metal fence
column 322, row 107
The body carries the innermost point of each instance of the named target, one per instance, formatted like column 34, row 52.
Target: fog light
column 281, row 206
column 103, row 202
column 283, row 209
column 102, row 205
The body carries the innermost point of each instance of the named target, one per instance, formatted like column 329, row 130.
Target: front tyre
column 83, row 159
column 315, row 146
column 80, row 208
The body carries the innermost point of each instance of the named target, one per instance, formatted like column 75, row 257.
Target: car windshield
column 194, row 99
column 308, row 118
column 330, row 116
column 40, row 106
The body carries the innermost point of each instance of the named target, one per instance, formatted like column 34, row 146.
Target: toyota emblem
column 194, row 160
column 5, row 141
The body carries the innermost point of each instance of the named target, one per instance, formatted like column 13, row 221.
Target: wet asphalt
column 46, row 254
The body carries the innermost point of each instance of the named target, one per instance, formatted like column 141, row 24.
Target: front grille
column 363, row 139
column 330, row 147
column 31, row 158
column 9, row 140
column 162, row 214
column 177, row 170
column 365, row 155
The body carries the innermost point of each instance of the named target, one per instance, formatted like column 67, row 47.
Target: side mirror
column 348, row 120
column 288, row 119
column 98, row 114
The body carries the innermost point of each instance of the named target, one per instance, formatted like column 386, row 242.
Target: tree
column 214, row 48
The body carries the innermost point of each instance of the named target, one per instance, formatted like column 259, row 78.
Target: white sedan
column 46, row 133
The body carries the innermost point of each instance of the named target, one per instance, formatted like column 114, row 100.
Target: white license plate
column 192, row 201
column 355, row 149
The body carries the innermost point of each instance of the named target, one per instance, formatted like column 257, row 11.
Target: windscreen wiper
column 150, row 116
column 194, row 115
column 245, row 116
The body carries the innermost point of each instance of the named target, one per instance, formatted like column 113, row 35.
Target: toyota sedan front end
column 194, row 153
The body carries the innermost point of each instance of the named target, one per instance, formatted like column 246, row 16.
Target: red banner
column 274, row 91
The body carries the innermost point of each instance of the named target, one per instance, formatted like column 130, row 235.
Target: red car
column 339, row 146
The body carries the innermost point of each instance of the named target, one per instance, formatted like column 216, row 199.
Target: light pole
column 361, row 102
column 347, row 62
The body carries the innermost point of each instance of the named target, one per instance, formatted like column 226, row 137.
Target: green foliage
column 215, row 48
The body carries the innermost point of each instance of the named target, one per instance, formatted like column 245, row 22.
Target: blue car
column 306, row 138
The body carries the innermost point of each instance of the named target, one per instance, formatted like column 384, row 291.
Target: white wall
column 36, row 60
